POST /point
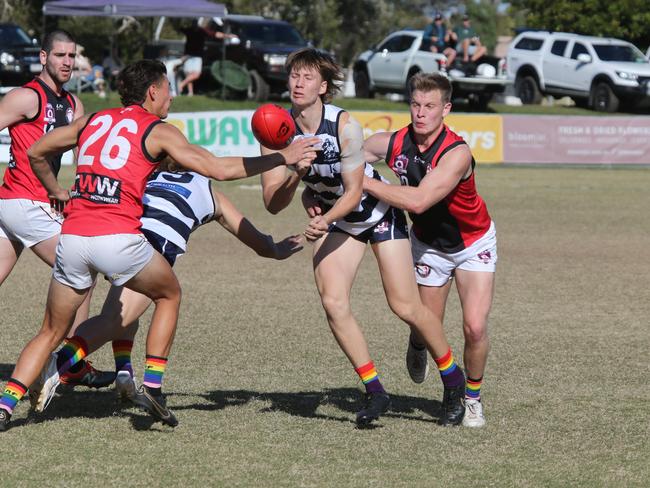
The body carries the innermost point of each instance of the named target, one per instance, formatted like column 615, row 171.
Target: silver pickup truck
column 388, row 67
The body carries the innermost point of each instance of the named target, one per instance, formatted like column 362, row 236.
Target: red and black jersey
column 459, row 219
column 113, row 166
column 53, row 111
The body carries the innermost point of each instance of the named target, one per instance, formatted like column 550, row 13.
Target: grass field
column 200, row 103
column 265, row 397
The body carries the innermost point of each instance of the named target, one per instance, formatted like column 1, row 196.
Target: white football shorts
column 119, row 257
column 28, row 221
column 435, row 268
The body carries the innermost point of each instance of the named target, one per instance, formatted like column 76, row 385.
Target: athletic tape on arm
column 351, row 146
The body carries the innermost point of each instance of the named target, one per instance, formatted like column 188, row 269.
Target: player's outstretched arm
column 234, row 222
column 167, row 139
column 375, row 148
column 436, row 185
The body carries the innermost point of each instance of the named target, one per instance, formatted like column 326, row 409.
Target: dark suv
column 19, row 61
column 262, row 49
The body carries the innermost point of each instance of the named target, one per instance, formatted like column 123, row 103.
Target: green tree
column 341, row 26
column 624, row 19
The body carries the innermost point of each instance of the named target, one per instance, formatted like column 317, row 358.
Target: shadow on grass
column 90, row 404
column 94, row 404
column 306, row 404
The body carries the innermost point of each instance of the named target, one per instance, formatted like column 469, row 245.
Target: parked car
column 596, row 72
column 389, row 66
column 261, row 47
column 19, row 61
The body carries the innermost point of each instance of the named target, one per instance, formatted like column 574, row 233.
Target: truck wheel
column 527, row 90
column 362, row 85
column 258, row 89
column 603, row 99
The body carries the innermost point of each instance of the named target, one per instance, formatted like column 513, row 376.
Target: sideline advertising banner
column 576, row 139
column 483, row 133
column 536, row 139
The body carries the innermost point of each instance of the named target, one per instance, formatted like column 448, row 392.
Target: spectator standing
column 195, row 37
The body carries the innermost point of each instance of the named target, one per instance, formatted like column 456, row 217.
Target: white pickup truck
column 389, row 66
column 596, row 72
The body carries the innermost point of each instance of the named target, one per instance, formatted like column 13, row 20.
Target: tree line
column 347, row 28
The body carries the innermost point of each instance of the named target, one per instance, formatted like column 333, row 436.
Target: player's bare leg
column 476, row 290
column 158, row 282
column 337, row 258
column 435, row 299
column 9, row 253
column 46, row 251
column 118, row 318
column 396, row 269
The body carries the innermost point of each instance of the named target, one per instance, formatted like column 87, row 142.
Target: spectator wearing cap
column 437, row 38
column 468, row 42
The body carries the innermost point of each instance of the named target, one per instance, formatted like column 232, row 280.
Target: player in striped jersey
column 175, row 205
column 344, row 219
column 452, row 233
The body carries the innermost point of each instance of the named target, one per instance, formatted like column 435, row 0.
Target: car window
column 397, row 44
column 578, row 48
column 12, row 36
column 559, row 47
column 271, row 34
column 529, row 44
column 620, row 52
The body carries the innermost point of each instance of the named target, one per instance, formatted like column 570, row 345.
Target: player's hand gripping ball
column 273, row 126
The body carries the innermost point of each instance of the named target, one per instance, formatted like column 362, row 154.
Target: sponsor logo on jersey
column 422, row 270
column 485, row 256
column 97, row 188
column 181, row 190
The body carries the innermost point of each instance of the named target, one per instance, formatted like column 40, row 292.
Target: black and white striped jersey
column 175, row 204
column 324, row 176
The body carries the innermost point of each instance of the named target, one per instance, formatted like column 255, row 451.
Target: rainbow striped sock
column 450, row 373
column 370, row 378
column 473, row 388
column 74, row 350
column 13, row 392
column 122, row 353
column 153, row 371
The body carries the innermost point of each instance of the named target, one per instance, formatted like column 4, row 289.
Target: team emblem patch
column 422, row 270
column 382, row 227
column 49, row 114
column 69, row 115
column 485, row 256
column 400, row 163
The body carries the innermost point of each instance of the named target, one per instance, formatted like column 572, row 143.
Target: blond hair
column 427, row 82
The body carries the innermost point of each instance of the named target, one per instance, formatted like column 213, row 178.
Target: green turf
column 199, row 103
column 265, row 397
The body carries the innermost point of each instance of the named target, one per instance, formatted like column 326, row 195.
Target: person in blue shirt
column 439, row 39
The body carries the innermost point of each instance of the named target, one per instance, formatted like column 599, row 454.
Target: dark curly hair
column 331, row 72
column 135, row 79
